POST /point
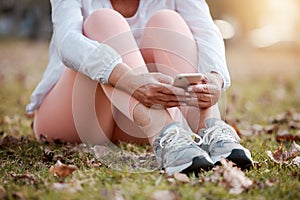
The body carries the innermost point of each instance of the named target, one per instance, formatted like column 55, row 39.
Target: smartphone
column 185, row 80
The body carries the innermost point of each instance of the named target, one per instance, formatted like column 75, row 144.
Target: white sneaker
column 221, row 141
column 176, row 151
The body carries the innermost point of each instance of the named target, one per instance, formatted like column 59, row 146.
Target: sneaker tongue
column 211, row 122
column 169, row 127
column 201, row 132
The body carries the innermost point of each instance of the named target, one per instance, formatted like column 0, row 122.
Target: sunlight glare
column 278, row 24
column 227, row 30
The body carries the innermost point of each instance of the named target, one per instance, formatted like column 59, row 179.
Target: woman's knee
column 165, row 14
column 104, row 14
column 102, row 20
column 164, row 18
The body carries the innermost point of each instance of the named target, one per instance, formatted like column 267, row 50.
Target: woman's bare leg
column 98, row 27
column 80, row 109
column 168, row 46
column 55, row 120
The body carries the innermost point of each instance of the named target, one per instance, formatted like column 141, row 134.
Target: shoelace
column 178, row 137
column 220, row 132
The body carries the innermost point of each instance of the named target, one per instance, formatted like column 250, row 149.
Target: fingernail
column 189, row 89
column 187, row 94
column 182, row 104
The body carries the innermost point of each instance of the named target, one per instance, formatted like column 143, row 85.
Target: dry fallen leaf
column 62, row 170
column 271, row 128
column 230, row 176
column 257, row 129
column 281, row 118
column 234, row 178
column 294, row 125
column 182, row 177
column 280, row 157
column 284, row 135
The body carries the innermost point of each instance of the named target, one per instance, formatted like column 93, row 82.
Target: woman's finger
column 169, row 97
column 202, row 88
column 170, row 89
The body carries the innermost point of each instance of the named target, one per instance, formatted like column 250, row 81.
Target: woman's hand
column 151, row 89
column 207, row 93
column 155, row 90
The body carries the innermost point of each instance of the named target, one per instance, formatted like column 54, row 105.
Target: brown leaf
column 281, row 118
column 257, row 129
column 294, row 125
column 62, row 170
column 284, row 135
column 271, row 128
column 280, row 157
column 234, row 178
column 182, row 177
column 216, row 177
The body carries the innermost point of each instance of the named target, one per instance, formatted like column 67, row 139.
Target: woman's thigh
column 75, row 110
column 168, row 45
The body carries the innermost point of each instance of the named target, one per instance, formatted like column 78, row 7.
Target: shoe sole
column 199, row 163
column 241, row 157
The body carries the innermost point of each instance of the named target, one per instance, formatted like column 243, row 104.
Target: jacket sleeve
column 94, row 59
column 210, row 44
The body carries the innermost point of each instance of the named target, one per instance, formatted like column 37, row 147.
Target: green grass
column 25, row 163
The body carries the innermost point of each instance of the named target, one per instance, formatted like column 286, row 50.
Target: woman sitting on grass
column 110, row 74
